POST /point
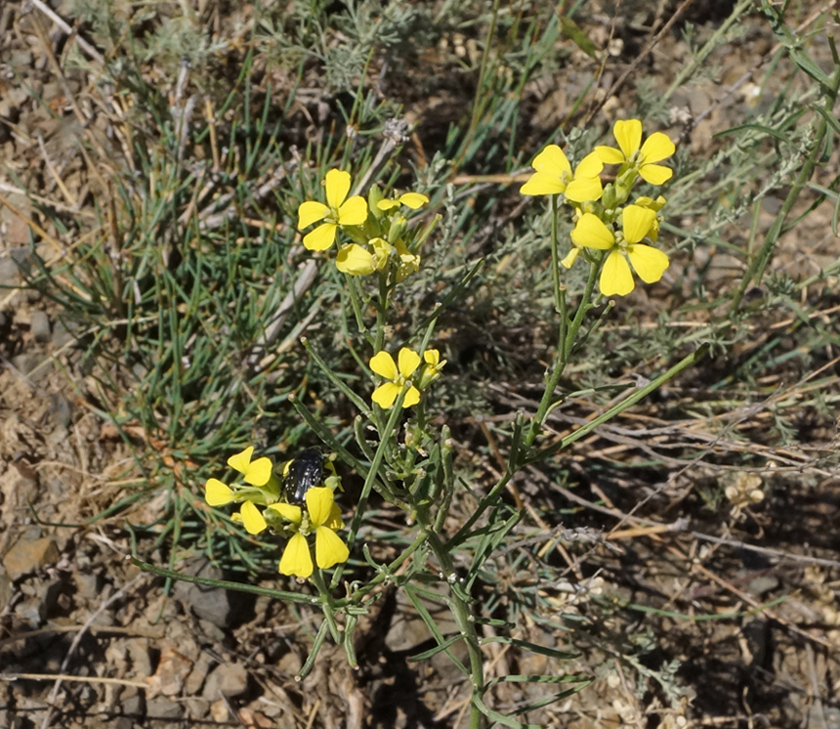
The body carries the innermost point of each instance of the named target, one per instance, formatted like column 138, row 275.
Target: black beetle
column 302, row 474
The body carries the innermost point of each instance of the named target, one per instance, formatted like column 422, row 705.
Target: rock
column 62, row 336
column 208, row 603
column 227, row 679
column 28, row 555
column 194, row 682
column 171, row 672
column 138, row 653
column 162, row 709
column 60, row 411
column 39, row 326
column 6, row 590
column 87, row 586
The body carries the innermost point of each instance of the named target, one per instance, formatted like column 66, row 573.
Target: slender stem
column 555, row 256
column 564, row 349
column 464, row 619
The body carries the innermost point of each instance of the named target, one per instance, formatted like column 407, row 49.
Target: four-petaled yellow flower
column 338, row 211
column 323, row 517
column 398, row 377
column 257, row 473
column 356, row 260
column 657, row 147
column 554, row 175
column 616, row 278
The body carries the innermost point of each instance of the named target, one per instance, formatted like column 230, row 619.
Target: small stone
column 87, row 586
column 61, row 335
column 208, row 603
column 39, row 325
column 6, row 590
column 132, row 702
column 162, row 709
column 138, row 653
column 27, row 555
column 227, row 679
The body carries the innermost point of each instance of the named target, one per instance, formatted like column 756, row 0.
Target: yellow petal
column 590, row 166
column 319, row 504
column 353, row 212
column 609, row 155
column 311, row 212
column 414, row 200
column 616, row 278
column 571, row 257
column 584, row 189
column 385, row 394
column 329, row 549
column 290, row 512
column 628, row 134
column 657, row 146
column 240, row 461
column 552, row 160
column 296, row 559
column 543, row 183
column 656, row 174
column 591, row 232
column 637, row 222
column 386, row 205
column 383, row 365
column 217, row 493
column 409, row 361
column 412, row 397
column 252, row 518
column 381, row 250
column 335, row 522
column 648, row 262
column 258, row 472
column 354, row 260
column 431, row 357
column 321, row 238
column 338, row 185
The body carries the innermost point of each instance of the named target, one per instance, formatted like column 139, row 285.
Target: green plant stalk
column 564, row 348
column 555, row 260
column 463, row 617
column 640, row 394
column 384, row 438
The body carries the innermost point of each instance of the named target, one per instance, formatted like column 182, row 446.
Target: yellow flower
column 554, row 175
column 657, row 147
column 413, row 200
column 324, row 519
column 616, row 278
column 656, row 206
column 337, row 211
column 217, row 493
column 356, row 260
column 432, row 366
column 398, row 377
column 256, row 473
column 409, row 262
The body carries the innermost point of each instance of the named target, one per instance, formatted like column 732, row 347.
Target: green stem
column 555, row 256
column 465, row 621
column 564, row 348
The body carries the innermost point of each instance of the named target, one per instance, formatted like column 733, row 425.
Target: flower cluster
column 382, row 240
column 603, row 221
column 400, row 375
column 266, row 504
